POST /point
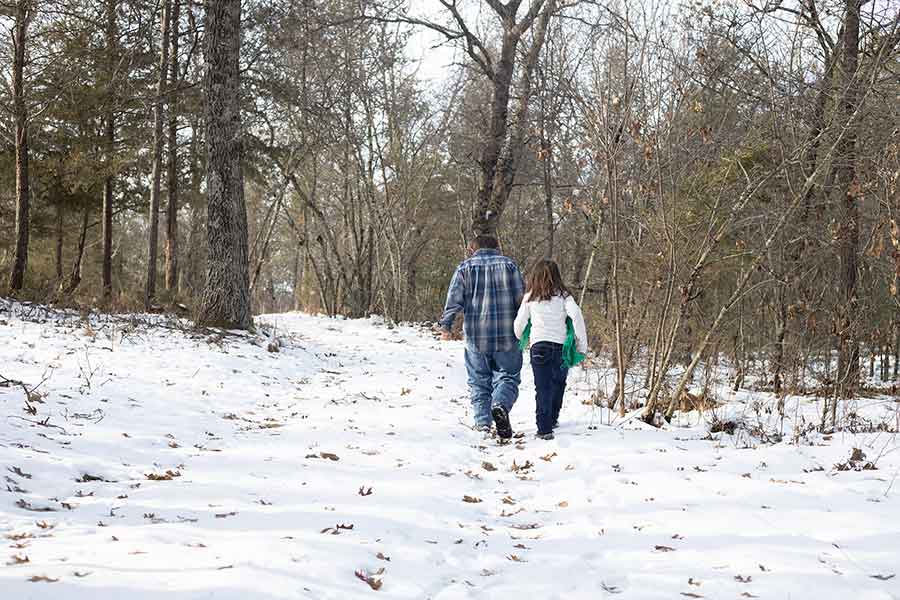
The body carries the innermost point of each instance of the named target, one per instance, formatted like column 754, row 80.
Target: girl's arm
column 522, row 317
column 574, row 312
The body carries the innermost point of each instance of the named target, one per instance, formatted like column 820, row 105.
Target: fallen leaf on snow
column 42, row 579
column 373, row 582
column 471, row 499
column 659, row 548
column 526, row 526
column 169, row 475
column 488, row 466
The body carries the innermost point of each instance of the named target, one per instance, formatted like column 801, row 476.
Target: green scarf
column 571, row 355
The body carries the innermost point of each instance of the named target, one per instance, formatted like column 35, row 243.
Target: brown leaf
column 515, row 558
column 664, row 548
column 381, row 556
column 742, row 579
column 488, row 466
column 169, row 475
column 508, row 500
column 471, row 499
column 18, row 559
column 515, row 468
column 373, row 582
column 42, row 579
column 329, row 456
column 691, row 595
column 549, row 457
column 226, row 515
column 563, row 504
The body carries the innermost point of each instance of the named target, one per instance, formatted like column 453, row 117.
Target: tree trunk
column 75, row 275
column 847, row 194
column 158, row 108
column 612, row 175
column 226, row 298
column 110, row 135
column 172, row 205
column 23, row 14
column 60, row 233
column 499, row 156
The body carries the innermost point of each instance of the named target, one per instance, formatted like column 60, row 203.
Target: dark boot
column 501, row 420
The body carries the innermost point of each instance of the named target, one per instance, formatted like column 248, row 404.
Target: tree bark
column 23, row 14
column 158, row 109
column 845, row 189
column 75, row 275
column 500, row 149
column 172, row 205
column 60, row 233
column 226, row 298
column 110, row 136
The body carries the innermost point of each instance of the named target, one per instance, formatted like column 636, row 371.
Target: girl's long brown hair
column 544, row 281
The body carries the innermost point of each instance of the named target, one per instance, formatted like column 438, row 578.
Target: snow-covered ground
column 165, row 463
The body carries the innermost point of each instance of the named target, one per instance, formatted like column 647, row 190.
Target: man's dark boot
column 501, row 420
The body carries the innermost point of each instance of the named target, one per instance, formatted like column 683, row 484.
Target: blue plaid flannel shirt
column 487, row 288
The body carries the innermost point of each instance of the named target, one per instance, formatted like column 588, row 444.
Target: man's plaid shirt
column 487, row 288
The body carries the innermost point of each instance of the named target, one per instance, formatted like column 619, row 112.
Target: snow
column 254, row 505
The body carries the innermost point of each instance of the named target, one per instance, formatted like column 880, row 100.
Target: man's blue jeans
column 494, row 380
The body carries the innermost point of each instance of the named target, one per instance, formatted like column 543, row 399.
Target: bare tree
column 158, row 140
column 24, row 12
column 172, row 175
column 226, row 298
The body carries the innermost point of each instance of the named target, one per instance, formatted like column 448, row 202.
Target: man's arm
column 518, row 286
column 455, row 302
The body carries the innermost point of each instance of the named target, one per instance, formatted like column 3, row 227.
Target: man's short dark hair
column 485, row 241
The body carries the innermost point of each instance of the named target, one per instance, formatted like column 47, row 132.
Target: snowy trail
column 187, row 469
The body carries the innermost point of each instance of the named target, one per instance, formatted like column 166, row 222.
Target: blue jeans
column 493, row 381
column 549, row 382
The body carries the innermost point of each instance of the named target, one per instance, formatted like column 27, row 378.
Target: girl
column 548, row 305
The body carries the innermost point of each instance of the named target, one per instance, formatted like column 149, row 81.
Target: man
column 488, row 288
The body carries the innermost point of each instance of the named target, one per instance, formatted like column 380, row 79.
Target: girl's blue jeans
column 550, row 383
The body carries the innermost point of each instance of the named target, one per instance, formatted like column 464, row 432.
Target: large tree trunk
column 153, row 246
column 23, row 14
column 110, row 135
column 847, row 197
column 172, row 206
column 226, row 299
column 500, row 149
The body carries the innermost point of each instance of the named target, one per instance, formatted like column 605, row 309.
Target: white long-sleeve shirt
column 548, row 320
